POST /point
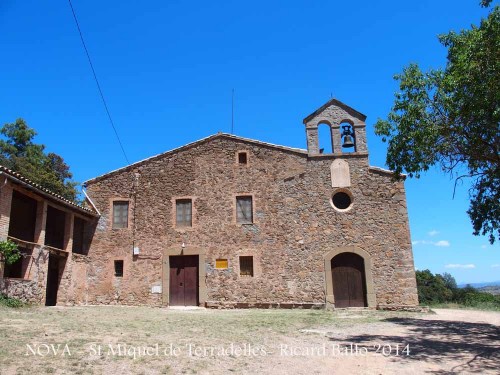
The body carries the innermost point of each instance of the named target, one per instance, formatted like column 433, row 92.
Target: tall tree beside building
column 450, row 117
column 19, row 153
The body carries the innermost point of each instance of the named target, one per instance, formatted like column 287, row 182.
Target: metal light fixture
column 348, row 136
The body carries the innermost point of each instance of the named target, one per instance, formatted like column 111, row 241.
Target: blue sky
column 167, row 69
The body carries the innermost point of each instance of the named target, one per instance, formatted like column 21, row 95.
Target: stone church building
column 233, row 222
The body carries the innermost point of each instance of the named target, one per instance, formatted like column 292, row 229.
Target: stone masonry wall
column 32, row 289
column 294, row 226
column 334, row 116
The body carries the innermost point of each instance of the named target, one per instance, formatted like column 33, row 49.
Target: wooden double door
column 349, row 282
column 184, row 280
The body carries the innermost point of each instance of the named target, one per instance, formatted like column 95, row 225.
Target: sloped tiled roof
column 196, row 143
column 43, row 191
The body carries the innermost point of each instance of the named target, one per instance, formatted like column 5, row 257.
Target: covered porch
column 48, row 230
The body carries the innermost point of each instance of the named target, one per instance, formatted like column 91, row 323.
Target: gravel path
column 447, row 342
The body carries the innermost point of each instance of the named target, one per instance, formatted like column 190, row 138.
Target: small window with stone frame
column 244, row 209
column 246, row 266
column 184, row 213
column 118, row 268
column 120, row 214
column 242, row 158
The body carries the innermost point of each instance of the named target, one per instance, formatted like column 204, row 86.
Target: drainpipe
column 134, row 196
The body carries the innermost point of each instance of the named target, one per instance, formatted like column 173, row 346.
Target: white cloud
column 441, row 243
column 495, row 266
column 422, row 242
column 433, row 232
column 465, row 266
column 483, row 246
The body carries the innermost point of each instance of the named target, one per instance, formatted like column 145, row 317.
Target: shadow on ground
column 457, row 347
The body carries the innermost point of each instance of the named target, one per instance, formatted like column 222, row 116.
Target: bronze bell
column 348, row 137
column 348, row 141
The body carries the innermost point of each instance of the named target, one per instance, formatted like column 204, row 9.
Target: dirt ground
column 140, row 340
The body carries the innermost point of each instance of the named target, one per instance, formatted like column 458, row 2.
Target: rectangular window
column 183, row 212
column 20, row 269
column 119, row 268
column 120, row 214
column 242, row 158
column 246, row 266
column 244, row 210
column 221, row 264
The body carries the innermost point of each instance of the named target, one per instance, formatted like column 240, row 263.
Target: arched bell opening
column 325, row 138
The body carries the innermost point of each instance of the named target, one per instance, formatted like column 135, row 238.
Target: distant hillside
column 480, row 285
column 492, row 289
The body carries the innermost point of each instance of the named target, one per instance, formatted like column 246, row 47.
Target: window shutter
column 183, row 214
column 120, row 214
column 244, row 212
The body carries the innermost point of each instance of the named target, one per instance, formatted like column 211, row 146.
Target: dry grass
column 82, row 327
column 449, row 341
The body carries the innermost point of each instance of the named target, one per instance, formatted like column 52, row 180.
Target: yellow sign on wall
column 221, row 263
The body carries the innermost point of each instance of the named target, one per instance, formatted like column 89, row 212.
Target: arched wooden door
column 349, row 282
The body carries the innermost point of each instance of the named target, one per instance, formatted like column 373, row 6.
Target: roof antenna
column 232, row 112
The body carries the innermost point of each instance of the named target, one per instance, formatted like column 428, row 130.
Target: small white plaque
column 156, row 289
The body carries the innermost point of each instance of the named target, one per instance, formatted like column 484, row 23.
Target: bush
column 471, row 297
column 9, row 252
column 10, row 302
column 442, row 289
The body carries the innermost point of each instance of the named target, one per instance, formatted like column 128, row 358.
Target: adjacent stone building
column 233, row 222
column 52, row 234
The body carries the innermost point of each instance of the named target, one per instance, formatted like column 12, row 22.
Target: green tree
column 449, row 281
column 439, row 289
column 19, row 153
column 432, row 288
column 450, row 117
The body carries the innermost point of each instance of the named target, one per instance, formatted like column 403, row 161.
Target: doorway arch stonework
column 370, row 290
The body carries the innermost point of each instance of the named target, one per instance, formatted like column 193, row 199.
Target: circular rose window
column 341, row 200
